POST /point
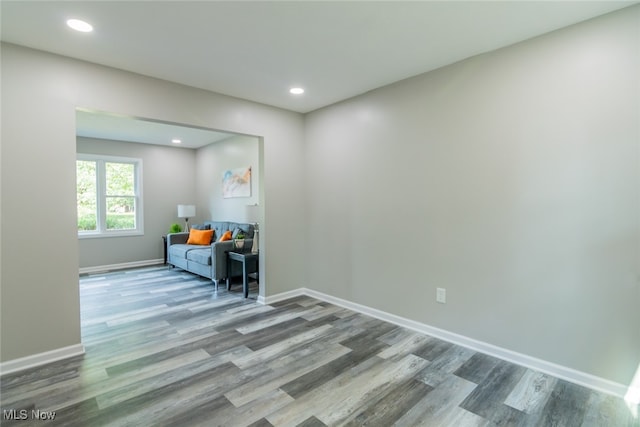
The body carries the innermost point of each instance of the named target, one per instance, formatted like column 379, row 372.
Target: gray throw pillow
column 237, row 231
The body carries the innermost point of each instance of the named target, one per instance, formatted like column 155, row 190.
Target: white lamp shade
column 252, row 214
column 186, row 211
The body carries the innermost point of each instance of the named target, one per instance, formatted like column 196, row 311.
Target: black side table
column 249, row 262
column 164, row 241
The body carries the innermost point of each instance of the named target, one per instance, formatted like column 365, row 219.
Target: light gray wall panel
column 212, row 161
column 511, row 179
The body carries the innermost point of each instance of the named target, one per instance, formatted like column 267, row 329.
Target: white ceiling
column 258, row 50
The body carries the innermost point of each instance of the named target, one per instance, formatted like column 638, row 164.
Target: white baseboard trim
column 35, row 360
column 558, row 371
column 121, row 266
column 284, row 295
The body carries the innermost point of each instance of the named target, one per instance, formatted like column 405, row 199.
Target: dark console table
column 249, row 262
column 164, row 243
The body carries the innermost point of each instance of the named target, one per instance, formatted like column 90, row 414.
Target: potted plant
column 175, row 228
column 239, row 240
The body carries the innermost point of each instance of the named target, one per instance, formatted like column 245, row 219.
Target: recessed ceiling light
column 296, row 91
column 79, row 25
column 176, row 141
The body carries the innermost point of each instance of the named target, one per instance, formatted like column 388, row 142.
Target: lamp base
column 255, row 246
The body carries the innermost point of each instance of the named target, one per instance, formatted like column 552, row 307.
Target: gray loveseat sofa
column 207, row 260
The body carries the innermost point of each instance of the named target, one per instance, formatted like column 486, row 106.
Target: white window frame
column 101, row 202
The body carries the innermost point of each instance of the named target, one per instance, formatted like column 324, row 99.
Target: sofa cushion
column 180, row 250
column 219, row 226
column 201, row 256
column 201, row 226
column 247, row 229
column 200, row 237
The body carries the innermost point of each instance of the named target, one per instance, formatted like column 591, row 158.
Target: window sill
column 97, row 235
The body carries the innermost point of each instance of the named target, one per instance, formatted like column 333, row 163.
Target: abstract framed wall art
column 236, row 183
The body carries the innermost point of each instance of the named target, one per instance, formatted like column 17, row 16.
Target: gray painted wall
column 212, row 160
column 169, row 179
column 40, row 93
column 511, row 179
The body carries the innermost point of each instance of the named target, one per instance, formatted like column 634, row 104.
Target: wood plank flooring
column 164, row 348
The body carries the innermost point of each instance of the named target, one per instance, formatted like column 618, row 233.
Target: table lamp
column 186, row 212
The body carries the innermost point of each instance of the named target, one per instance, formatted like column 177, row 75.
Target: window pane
column 108, row 196
column 121, row 213
column 86, row 195
column 120, row 179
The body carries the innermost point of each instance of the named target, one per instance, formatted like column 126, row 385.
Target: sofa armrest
column 219, row 257
column 177, row 238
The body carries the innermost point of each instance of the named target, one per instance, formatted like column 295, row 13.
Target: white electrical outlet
column 441, row 295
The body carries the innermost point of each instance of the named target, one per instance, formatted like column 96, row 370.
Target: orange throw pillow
column 226, row 236
column 200, row 237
